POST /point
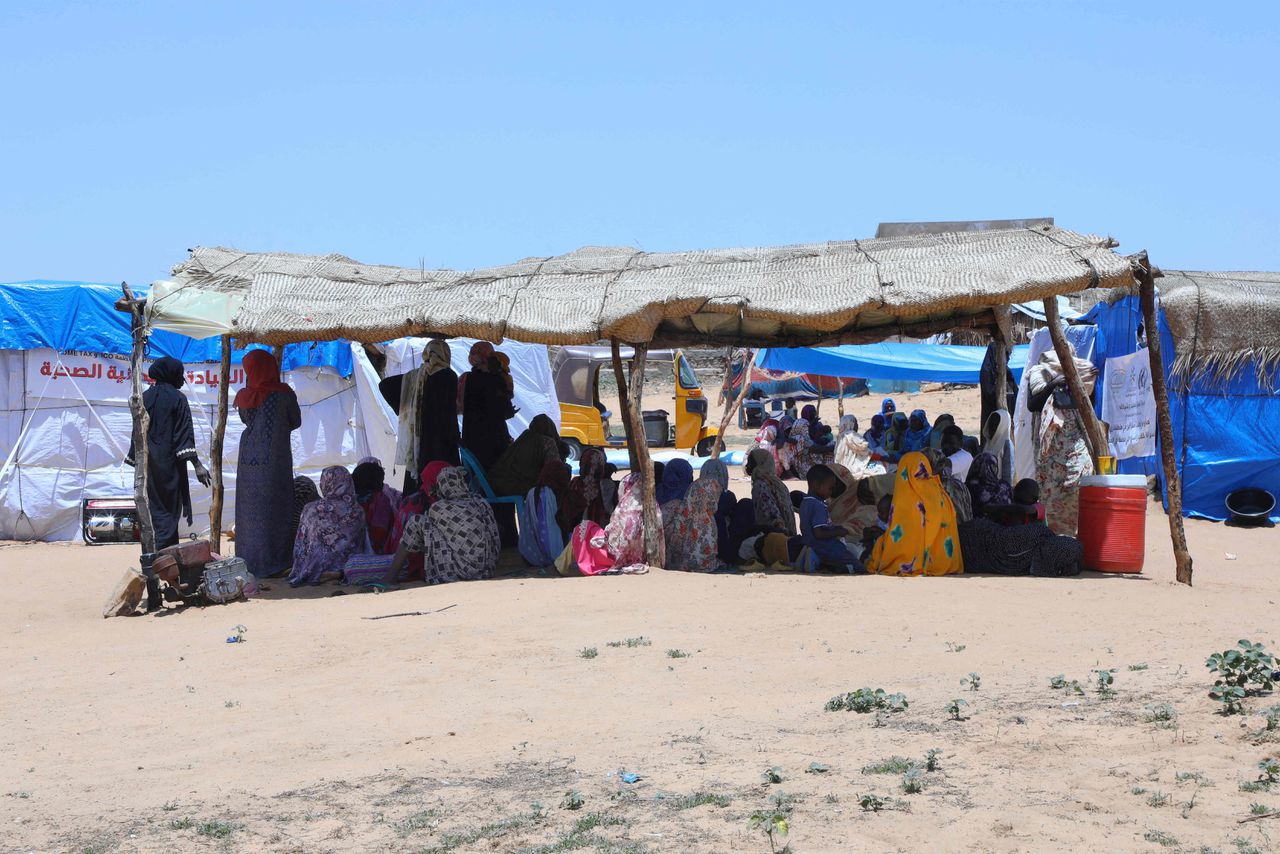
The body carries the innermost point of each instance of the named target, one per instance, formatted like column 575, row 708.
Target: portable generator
column 109, row 520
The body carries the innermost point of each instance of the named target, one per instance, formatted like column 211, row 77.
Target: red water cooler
column 1113, row 521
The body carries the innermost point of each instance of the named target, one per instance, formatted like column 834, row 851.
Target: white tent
column 65, row 428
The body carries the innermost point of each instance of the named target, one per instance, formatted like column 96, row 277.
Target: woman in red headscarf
column 486, row 406
column 264, row 467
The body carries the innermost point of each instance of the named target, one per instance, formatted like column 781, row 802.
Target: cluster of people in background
column 905, row 497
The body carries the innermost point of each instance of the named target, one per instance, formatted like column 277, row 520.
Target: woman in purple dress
column 264, row 470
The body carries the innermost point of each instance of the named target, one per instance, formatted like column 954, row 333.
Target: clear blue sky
column 471, row 134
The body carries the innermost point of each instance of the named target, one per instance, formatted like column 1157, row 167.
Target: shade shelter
column 838, row 292
column 1221, row 336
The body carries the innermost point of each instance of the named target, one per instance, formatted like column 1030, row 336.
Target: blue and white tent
column 64, row 416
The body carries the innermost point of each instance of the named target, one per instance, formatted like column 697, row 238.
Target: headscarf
column 986, row 487
column 478, row 355
column 462, row 536
column 922, row 537
column 916, row 439
column 844, row 507
column 593, row 471
column 996, row 441
column 393, row 495
column 262, row 375
column 500, row 366
column 693, row 543
column 941, row 423
column 330, row 530
column 877, row 428
column 624, row 535
column 436, row 357
column 717, row 471
column 169, row 371
column 888, row 407
column 677, row 477
column 769, row 495
column 896, row 434
column 809, row 413
column 517, row 470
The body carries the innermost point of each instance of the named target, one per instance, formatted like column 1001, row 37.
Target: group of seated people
column 931, row 509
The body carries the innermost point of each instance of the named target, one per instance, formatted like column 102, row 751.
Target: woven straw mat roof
column 1222, row 322
column 819, row 293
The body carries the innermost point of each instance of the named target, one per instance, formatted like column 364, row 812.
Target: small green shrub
column 1142, row 666
column 1103, row 682
column 1158, row 799
column 892, row 765
column 973, row 681
column 1162, row 715
column 589, row 652
column 1159, row 837
column 678, row 653
column 771, row 776
column 913, row 780
column 867, row 700
column 1246, row 668
column 954, row 709
column 931, row 761
column 572, row 800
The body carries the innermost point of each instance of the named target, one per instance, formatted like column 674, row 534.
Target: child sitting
column 1026, row 508
column 822, row 538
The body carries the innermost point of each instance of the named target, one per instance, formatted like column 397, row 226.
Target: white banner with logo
column 1129, row 406
column 98, row 377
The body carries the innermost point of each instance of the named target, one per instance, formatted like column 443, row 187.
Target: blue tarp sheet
column 1219, row 442
column 889, row 360
column 81, row 316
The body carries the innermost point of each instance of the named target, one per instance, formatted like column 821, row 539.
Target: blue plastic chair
column 478, row 478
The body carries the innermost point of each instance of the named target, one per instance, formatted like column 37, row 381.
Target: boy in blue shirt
column 825, row 540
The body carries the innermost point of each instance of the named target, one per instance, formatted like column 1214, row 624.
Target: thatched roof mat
column 1222, row 322
column 820, row 293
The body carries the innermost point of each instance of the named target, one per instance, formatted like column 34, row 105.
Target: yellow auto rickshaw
column 584, row 419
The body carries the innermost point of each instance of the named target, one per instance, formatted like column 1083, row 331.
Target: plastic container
column 1113, row 522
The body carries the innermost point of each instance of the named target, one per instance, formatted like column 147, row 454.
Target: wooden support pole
column 278, row 352
column 731, row 407
column 840, row 399
column 141, row 418
column 215, row 449
column 1084, row 406
column 654, row 546
column 1002, row 334
column 624, row 403
column 1172, row 484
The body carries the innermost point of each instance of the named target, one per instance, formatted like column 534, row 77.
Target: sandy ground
column 326, row 731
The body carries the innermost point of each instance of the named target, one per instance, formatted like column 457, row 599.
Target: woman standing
column 517, row 469
column 1063, row 454
column 264, row 469
column 437, row 412
column 485, row 406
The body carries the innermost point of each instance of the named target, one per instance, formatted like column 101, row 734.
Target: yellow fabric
column 921, row 538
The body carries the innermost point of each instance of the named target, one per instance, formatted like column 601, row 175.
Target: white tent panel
column 71, row 450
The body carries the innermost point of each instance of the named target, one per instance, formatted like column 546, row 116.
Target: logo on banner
column 1129, row 406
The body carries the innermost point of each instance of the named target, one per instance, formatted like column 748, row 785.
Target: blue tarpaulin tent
column 80, row 316
column 889, row 360
column 1219, row 440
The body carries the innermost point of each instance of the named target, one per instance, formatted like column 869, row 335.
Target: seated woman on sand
column 457, row 536
column 922, row 537
column 330, row 531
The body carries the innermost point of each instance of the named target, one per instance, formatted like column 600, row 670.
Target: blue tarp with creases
column 889, row 360
column 1220, row 441
column 81, row 316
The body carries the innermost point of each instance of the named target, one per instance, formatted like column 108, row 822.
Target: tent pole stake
column 215, row 449
column 1172, row 484
column 1084, row 406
